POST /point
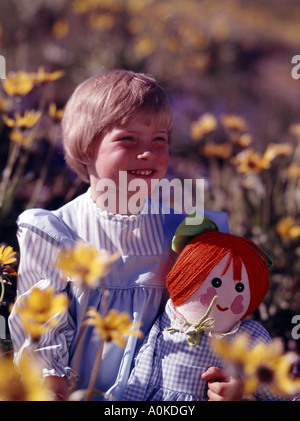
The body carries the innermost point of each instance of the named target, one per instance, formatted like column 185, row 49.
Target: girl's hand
column 221, row 387
column 58, row 386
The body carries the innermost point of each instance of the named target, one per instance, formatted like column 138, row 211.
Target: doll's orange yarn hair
column 204, row 252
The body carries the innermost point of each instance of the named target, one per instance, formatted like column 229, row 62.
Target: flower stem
column 12, row 157
column 94, row 372
column 2, row 289
column 97, row 362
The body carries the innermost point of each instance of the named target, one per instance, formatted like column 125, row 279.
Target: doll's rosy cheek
column 237, row 306
column 206, row 298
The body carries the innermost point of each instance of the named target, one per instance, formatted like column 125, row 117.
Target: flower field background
column 227, row 68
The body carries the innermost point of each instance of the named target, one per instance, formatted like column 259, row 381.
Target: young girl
column 217, row 271
column 115, row 123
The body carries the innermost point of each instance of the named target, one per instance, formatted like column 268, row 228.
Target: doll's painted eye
column 239, row 287
column 216, row 282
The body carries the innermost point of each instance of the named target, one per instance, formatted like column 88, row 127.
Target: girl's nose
column 145, row 155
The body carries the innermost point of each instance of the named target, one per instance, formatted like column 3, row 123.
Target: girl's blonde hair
column 105, row 101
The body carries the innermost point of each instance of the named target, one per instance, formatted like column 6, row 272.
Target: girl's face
column 139, row 151
column 232, row 302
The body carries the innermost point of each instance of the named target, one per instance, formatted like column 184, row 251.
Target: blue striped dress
column 167, row 368
column 135, row 284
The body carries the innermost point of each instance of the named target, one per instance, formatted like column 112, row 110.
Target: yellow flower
column 221, row 150
column 234, row 122
column 295, row 129
column 204, row 125
column 234, row 352
column 274, row 150
column 199, row 61
column 20, row 138
column 43, row 77
column 40, row 310
column 3, row 105
column 242, row 140
column 60, row 28
column 18, row 83
column 22, row 384
column 135, row 26
column 85, row 264
column 55, row 113
column 28, row 120
column 113, row 327
column 263, row 364
column 101, row 21
column 144, row 46
column 193, row 37
column 294, row 170
column 7, row 255
column 287, row 229
column 84, row 6
column 78, row 6
column 268, row 365
column 249, row 161
column 172, row 44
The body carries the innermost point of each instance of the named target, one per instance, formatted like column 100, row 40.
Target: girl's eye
column 126, row 141
column 216, row 282
column 128, row 138
column 239, row 287
column 161, row 139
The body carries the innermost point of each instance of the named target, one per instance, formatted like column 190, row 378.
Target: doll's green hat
column 187, row 230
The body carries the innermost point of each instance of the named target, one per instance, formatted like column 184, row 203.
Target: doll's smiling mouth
column 222, row 308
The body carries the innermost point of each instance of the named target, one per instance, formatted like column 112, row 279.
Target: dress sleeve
column 38, row 253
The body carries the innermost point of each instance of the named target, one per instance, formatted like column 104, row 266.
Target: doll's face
column 232, row 302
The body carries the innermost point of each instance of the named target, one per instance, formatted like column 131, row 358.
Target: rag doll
column 217, row 280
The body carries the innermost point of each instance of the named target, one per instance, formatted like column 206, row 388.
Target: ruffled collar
column 115, row 216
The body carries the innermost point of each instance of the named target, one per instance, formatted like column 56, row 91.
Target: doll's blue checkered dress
column 167, row 368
